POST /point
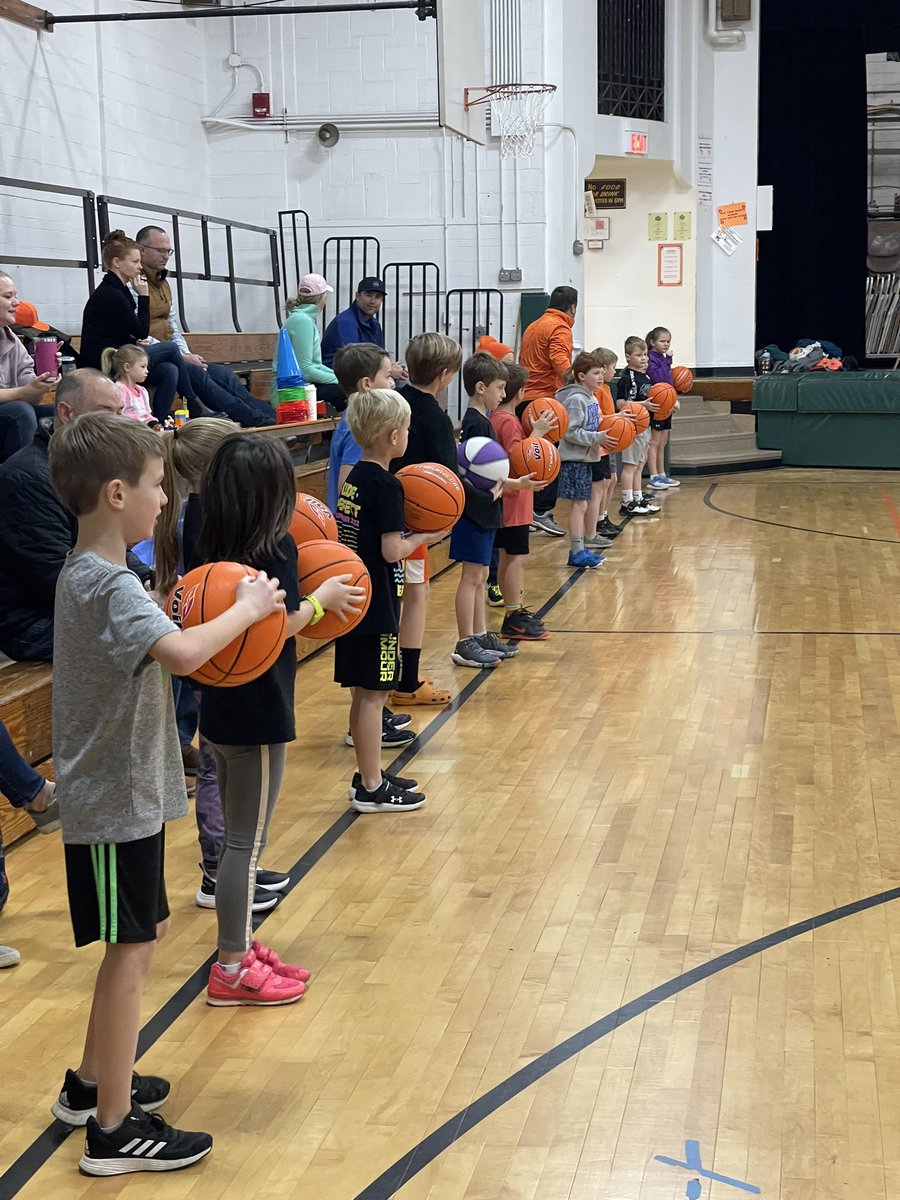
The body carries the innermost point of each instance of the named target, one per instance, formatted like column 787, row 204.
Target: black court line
column 30, row 1161
column 856, row 537
column 406, row 1168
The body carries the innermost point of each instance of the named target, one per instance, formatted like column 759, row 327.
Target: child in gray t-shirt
column 119, row 776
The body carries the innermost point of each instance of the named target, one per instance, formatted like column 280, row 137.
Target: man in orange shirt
column 546, row 355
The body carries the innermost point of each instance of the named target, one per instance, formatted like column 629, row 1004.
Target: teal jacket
column 303, row 327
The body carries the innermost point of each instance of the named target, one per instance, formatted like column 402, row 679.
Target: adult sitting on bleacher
column 217, row 386
column 359, row 324
column 113, row 318
column 21, row 391
column 302, row 324
column 36, row 532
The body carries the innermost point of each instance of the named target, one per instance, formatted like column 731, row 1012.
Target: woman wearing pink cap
column 303, row 316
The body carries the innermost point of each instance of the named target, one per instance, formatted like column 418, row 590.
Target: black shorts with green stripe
column 117, row 890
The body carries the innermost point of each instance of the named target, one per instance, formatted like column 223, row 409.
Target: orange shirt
column 547, row 353
column 518, row 507
column 604, row 398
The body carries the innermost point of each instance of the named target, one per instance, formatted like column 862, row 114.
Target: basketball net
column 519, row 109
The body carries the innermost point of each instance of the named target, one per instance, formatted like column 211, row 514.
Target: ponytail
column 112, row 361
column 188, row 454
column 106, row 360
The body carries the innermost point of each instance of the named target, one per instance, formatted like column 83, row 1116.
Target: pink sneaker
column 271, row 959
column 255, row 983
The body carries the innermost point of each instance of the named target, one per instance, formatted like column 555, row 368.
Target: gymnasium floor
column 596, row 942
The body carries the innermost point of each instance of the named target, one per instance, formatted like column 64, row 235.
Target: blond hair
column 372, row 415
column 317, row 298
column 112, row 361
column 89, row 452
column 188, row 452
column 606, row 357
column 429, row 355
column 633, row 344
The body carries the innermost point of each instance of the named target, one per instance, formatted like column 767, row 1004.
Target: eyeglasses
column 164, row 253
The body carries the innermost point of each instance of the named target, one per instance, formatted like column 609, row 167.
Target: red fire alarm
column 261, row 104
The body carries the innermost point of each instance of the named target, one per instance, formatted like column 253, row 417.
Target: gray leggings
column 249, row 781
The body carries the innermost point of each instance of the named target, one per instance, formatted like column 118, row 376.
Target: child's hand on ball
column 262, row 595
column 337, row 596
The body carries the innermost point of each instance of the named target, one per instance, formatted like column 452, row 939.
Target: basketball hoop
column 518, row 108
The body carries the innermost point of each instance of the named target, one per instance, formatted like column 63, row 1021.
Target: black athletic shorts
column 371, row 661
column 512, row 538
column 117, row 890
column 600, row 470
column 666, row 424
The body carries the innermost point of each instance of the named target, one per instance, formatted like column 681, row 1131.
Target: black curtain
column 812, row 149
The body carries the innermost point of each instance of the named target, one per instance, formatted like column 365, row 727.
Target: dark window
column 632, row 58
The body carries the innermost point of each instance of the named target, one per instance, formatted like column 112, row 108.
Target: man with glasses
column 217, row 387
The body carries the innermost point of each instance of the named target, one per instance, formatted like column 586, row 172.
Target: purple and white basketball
column 483, row 462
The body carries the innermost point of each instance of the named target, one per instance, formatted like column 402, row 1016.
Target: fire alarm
column 329, row 135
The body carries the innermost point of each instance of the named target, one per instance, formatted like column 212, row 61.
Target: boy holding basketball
column 371, row 522
column 519, row 624
column 111, row 699
column 635, row 384
column 599, row 532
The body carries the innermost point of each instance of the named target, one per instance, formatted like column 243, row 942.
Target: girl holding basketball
column 659, row 368
column 249, row 726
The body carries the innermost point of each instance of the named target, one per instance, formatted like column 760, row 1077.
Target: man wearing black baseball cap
column 359, row 323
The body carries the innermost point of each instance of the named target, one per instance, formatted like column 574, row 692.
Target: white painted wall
column 118, row 108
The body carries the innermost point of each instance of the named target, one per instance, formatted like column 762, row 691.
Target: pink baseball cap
column 314, row 285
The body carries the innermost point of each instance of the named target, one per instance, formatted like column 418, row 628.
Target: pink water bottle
column 45, row 356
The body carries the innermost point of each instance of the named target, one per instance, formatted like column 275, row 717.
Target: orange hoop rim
column 496, row 91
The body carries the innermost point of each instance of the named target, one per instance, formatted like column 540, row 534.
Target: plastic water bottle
column 765, row 363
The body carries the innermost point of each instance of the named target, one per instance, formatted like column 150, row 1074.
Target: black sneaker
column 396, row 720
column 141, row 1143
column 519, row 626
column 263, row 899
column 406, row 785
column 387, row 798
column 77, row 1101
column 271, row 881
column 625, row 509
column 391, row 738
column 608, row 528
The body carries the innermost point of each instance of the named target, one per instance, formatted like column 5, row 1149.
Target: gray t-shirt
column 115, row 742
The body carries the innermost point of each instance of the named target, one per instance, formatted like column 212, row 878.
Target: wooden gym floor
column 647, row 911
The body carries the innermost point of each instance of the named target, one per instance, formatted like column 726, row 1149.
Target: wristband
column 318, row 610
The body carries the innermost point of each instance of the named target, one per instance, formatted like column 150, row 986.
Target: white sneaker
column 670, row 482
column 545, row 523
column 470, row 653
column 8, row 956
column 659, row 481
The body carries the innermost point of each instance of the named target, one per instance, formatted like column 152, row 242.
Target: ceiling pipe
column 716, row 36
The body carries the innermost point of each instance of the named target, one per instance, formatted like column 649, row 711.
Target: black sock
column 409, row 670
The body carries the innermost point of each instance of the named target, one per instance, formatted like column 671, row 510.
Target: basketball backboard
column 461, row 64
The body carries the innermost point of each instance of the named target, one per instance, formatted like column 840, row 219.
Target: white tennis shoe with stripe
column 143, row 1142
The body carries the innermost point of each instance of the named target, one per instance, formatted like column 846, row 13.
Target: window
column 631, row 58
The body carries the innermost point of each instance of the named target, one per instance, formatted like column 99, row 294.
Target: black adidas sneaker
column 78, row 1100
column 142, row 1142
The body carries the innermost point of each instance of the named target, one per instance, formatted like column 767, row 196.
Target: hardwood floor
column 703, row 754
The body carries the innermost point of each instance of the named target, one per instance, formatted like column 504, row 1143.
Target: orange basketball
column 207, row 592
column 640, row 414
column 682, row 380
column 535, row 456
column 433, row 497
column 321, row 560
column 537, row 408
column 666, row 397
column 312, row 520
column 620, row 428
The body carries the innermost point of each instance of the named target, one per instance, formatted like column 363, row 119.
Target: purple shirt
column 659, row 368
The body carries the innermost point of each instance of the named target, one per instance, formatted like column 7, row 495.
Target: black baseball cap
column 371, row 283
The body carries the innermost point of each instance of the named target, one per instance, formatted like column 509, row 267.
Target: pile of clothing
column 807, row 355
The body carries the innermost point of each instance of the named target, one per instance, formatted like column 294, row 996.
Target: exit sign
column 635, row 143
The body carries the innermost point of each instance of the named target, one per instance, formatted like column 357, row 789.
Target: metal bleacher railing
column 89, row 260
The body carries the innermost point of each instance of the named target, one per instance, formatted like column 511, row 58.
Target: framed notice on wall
column 606, row 193
column 670, row 264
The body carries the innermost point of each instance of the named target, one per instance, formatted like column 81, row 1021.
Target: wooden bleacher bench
column 25, row 697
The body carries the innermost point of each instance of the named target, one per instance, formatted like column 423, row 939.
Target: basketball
column 536, row 410
column 483, row 462
column 620, row 428
column 682, row 380
column 666, row 397
column 321, row 560
column 535, row 456
column 433, row 497
column 640, row 414
column 207, row 592
column 312, row 520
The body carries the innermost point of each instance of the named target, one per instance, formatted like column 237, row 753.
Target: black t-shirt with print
column 481, row 508
column 633, row 385
column 371, row 504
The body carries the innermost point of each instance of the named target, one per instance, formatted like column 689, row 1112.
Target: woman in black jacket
column 110, row 319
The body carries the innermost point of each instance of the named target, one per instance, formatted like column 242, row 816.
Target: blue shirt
column 345, row 452
column 350, row 327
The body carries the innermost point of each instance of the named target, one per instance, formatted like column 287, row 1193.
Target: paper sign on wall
column 670, row 265
column 658, row 226
column 727, row 239
column 683, row 230
column 704, row 172
column 732, row 214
